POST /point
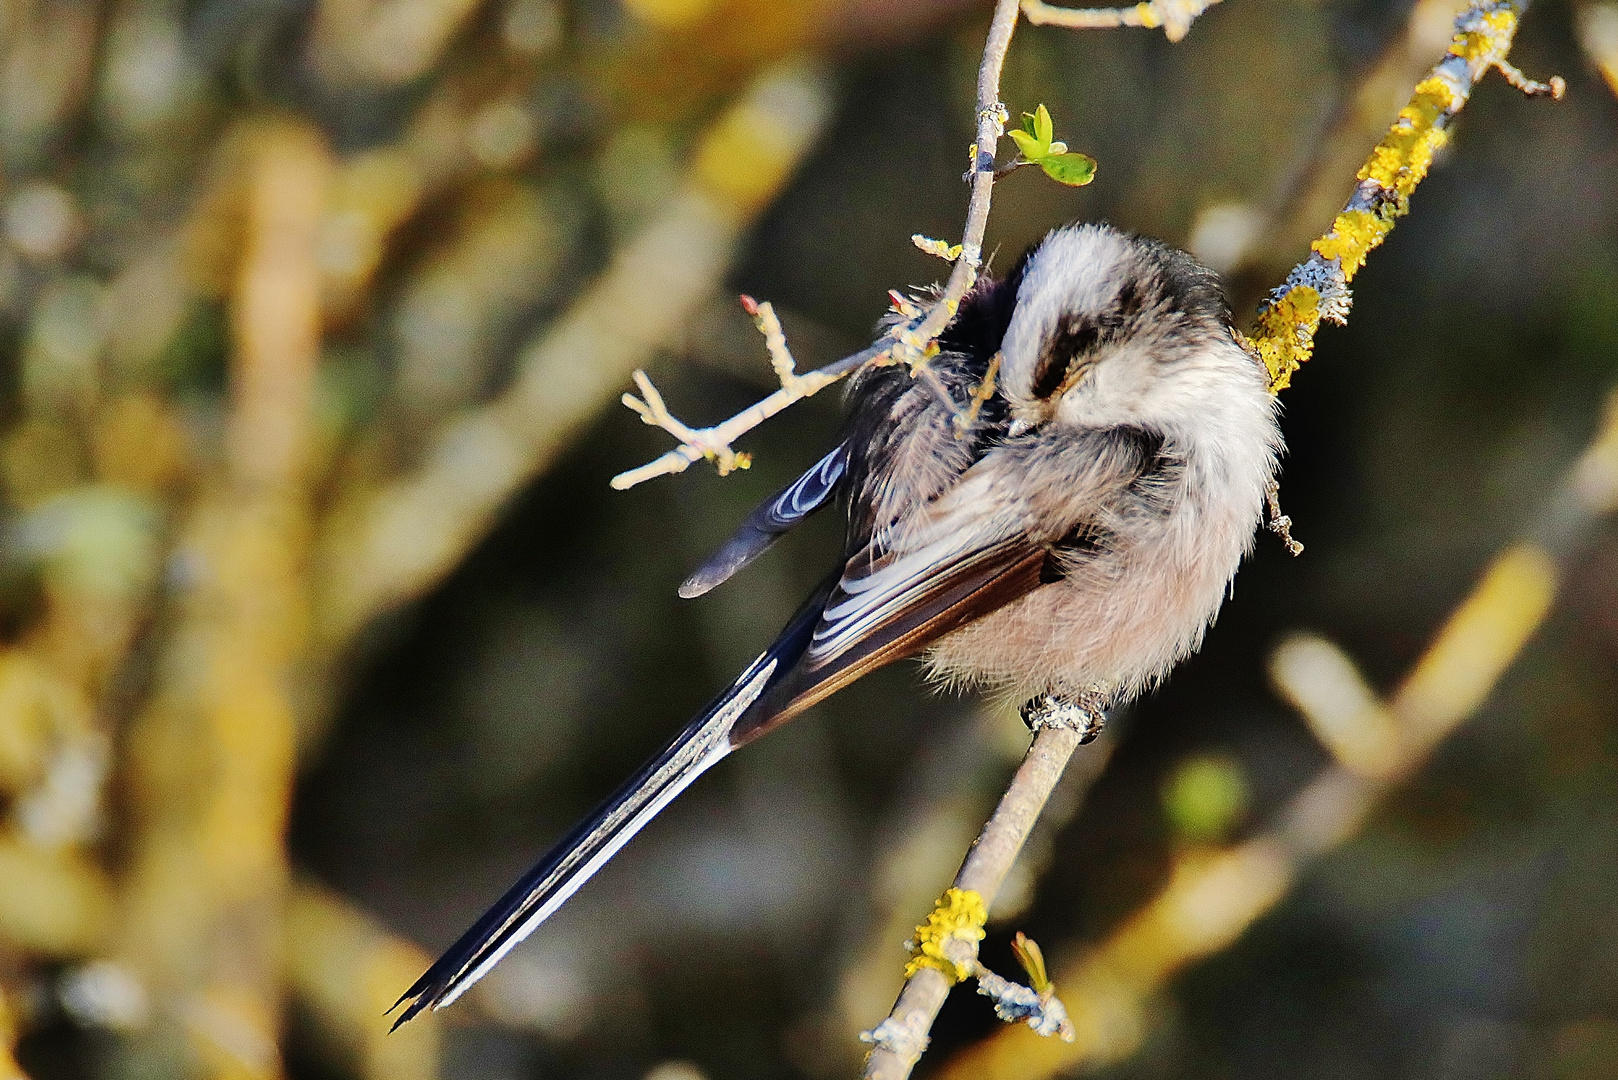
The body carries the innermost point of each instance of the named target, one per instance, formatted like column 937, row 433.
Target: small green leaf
column 1032, row 149
column 1028, row 123
column 1044, row 129
column 1032, row 959
column 1074, row 170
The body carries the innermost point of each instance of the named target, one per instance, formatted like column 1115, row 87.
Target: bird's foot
column 1084, row 713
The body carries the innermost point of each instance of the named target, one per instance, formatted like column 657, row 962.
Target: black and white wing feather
column 765, row 525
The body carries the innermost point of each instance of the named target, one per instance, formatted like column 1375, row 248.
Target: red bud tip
column 749, row 305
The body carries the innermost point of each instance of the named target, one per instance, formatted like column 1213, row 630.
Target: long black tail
column 587, row 848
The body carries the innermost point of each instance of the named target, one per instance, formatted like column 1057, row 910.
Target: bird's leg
column 1084, row 712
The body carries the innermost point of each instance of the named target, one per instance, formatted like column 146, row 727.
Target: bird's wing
column 986, row 542
column 968, row 556
column 765, row 525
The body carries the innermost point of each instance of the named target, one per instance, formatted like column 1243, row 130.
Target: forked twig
column 912, row 342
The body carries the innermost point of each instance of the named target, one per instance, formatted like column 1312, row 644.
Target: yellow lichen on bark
column 1353, row 234
column 1401, row 160
column 1476, row 45
column 1285, row 334
column 959, row 915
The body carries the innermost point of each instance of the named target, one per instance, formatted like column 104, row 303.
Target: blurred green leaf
column 1206, row 797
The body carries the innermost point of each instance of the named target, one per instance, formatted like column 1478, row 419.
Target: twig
column 1174, row 16
column 911, row 343
column 1279, row 523
column 1035, row 1004
column 901, row 1039
column 711, row 442
column 1555, row 88
column 915, row 342
column 992, row 118
column 652, row 411
column 775, row 340
column 984, row 391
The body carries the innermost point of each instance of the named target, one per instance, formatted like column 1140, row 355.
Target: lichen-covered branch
column 950, row 955
column 1317, row 288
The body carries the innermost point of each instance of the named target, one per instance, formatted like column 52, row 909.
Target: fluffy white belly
column 1117, row 623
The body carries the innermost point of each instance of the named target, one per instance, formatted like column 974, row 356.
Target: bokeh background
column 320, row 621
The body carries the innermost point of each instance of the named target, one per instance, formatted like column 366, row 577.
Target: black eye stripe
column 1076, row 335
column 1130, row 299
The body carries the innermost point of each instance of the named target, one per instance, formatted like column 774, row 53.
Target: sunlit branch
column 900, row 1040
column 1598, row 35
column 911, row 343
column 1174, row 16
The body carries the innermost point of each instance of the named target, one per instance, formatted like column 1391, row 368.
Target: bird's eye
column 1075, row 336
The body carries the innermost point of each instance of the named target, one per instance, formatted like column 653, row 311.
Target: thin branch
column 699, row 443
column 984, row 391
column 915, row 342
column 992, row 118
column 1279, row 523
column 1554, row 88
column 1516, row 596
column 1174, row 16
column 911, row 343
column 902, row 1038
column 1291, row 221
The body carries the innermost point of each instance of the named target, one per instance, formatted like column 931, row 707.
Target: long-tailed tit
column 1073, row 543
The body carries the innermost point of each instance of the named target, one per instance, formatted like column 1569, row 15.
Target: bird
column 1069, row 545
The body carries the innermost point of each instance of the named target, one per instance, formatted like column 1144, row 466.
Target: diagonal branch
column 901, row 1039
column 1317, row 289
